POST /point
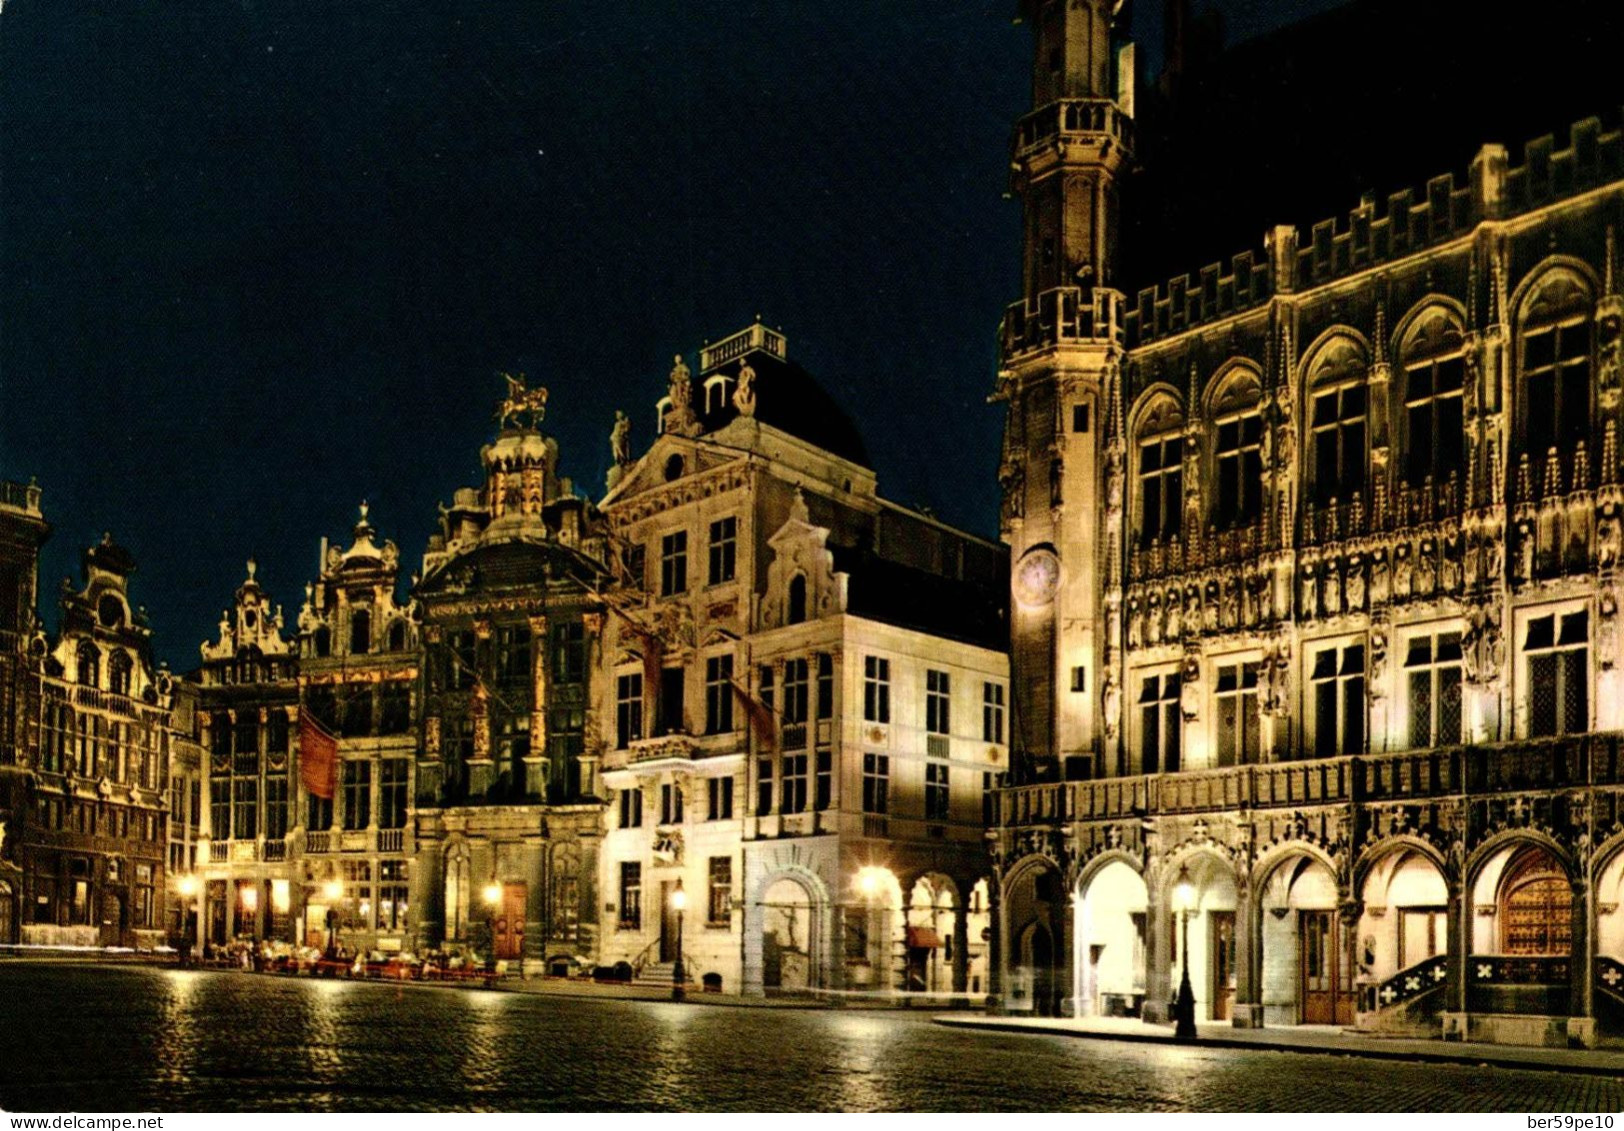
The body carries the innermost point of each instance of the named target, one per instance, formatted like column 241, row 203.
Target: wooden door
column 508, row 929
column 1221, row 933
column 1326, row 989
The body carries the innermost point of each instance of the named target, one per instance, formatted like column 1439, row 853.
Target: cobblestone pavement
column 115, row 1039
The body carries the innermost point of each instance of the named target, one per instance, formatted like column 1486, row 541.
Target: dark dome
column 791, row 400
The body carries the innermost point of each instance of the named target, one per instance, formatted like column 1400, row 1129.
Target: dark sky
column 262, row 259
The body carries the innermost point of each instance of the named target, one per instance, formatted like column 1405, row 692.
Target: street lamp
column 188, row 887
column 679, row 904
column 1184, row 1006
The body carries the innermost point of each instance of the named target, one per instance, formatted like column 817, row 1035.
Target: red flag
column 761, row 719
column 318, row 757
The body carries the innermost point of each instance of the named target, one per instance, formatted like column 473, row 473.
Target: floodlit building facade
column 358, row 663
column 804, row 704
column 507, row 819
column 1315, row 574
column 246, row 700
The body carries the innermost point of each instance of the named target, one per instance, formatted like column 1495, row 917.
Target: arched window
column 118, row 673
column 397, row 635
column 1554, row 341
column 1535, row 906
column 89, row 664
column 1160, row 475
column 1237, row 449
column 1337, row 413
column 1433, row 379
column 797, row 600
column 360, row 632
column 323, row 641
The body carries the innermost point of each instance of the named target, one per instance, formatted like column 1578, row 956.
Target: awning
column 923, row 937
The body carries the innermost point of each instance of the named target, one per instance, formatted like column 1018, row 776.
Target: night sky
column 261, row 260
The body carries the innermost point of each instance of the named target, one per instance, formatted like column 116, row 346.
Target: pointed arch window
column 1434, row 380
column 1554, row 348
column 1161, row 488
column 1238, row 459
column 1338, row 436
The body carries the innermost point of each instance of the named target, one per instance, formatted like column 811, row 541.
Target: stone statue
column 1113, row 478
column 1013, row 479
column 620, row 439
column 1135, row 623
column 681, row 419
column 1403, row 575
column 1426, row 570
column 1451, row 569
column 1153, row 620
column 1232, row 604
column 1190, row 691
column 1175, row 617
column 744, row 396
column 1356, row 585
column 1310, row 594
column 1332, row 590
column 1112, row 702
column 1607, row 538
column 520, row 400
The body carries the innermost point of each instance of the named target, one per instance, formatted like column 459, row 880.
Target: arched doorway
column 1522, row 933
column 8, row 913
column 875, row 943
column 1111, row 932
column 1033, row 980
column 788, row 945
column 1211, row 934
column 1403, row 918
column 1534, row 906
column 928, row 938
column 1308, row 967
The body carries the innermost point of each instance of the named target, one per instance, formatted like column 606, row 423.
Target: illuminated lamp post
column 679, row 976
column 188, row 887
column 1184, row 1006
column 492, row 894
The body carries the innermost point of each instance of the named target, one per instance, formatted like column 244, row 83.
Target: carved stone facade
column 768, row 651
column 1343, row 613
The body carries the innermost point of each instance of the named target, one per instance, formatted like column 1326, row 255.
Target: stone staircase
column 660, row 974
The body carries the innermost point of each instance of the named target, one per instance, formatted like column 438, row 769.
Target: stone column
column 961, row 947
column 997, row 946
column 1159, row 927
column 1581, row 1002
column 428, row 894
column 537, row 922
column 535, row 763
column 1458, row 946
column 1247, row 1010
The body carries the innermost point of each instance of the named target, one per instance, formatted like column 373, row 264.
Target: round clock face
column 1037, row 576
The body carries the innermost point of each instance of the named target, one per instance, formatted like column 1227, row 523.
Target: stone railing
column 1511, row 768
column 1405, row 986
column 391, row 840
column 1062, row 315
column 1073, row 120
column 319, row 840
column 684, row 746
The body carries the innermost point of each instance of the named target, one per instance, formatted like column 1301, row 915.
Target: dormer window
column 360, row 632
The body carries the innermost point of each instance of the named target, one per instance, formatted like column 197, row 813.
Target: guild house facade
column 804, row 704
column 1315, row 574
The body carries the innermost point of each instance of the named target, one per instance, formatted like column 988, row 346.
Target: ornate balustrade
column 1498, row 778
column 1407, row 985
column 1073, row 120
